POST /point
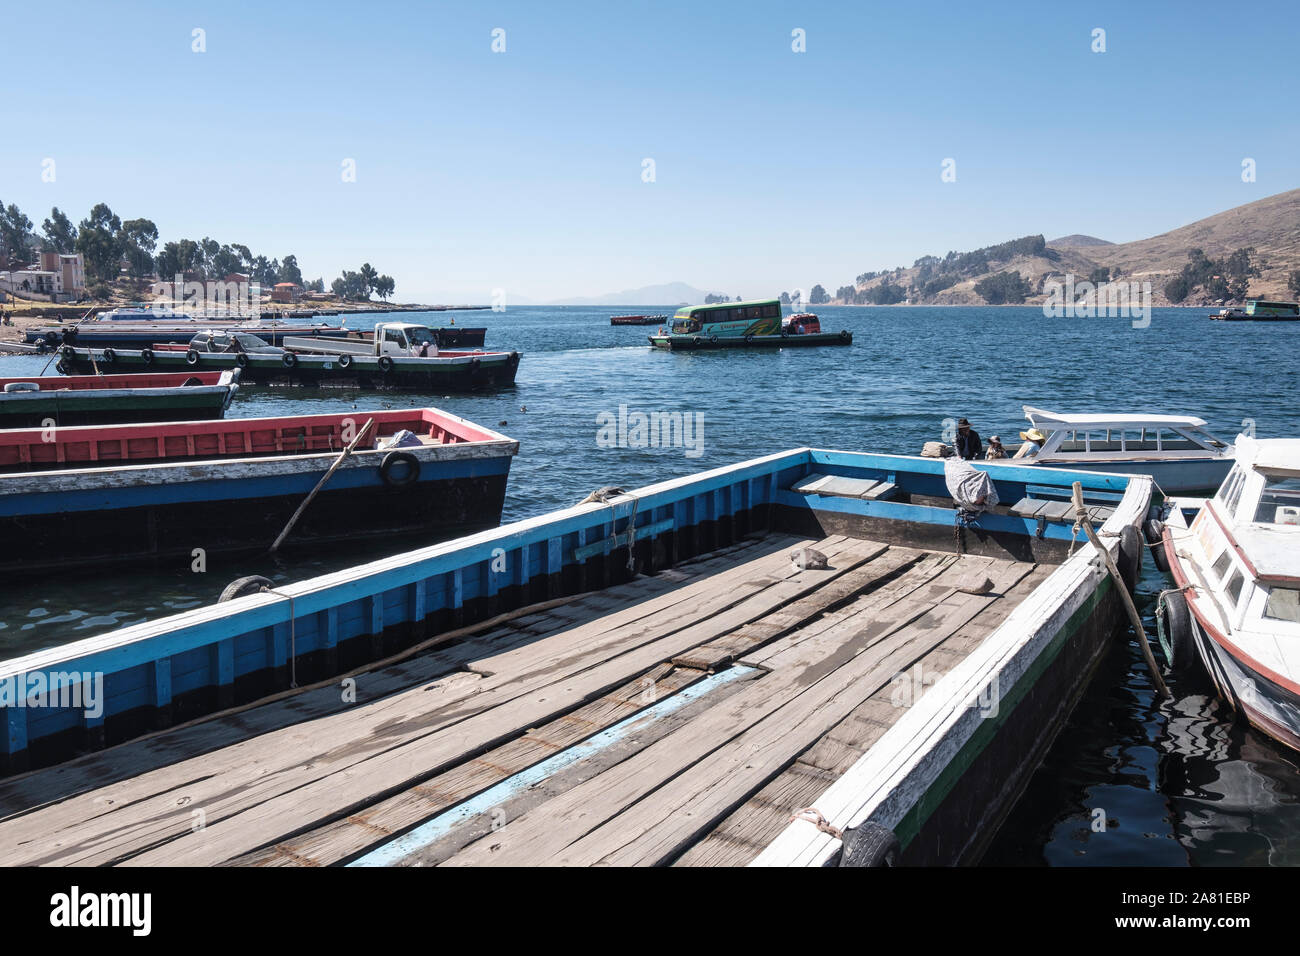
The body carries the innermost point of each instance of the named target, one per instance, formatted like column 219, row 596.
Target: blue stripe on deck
column 435, row 829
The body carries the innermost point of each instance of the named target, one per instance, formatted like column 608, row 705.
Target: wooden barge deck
column 796, row 674
column 542, row 705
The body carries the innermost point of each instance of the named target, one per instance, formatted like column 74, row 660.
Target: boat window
column 1234, row 586
column 1221, row 564
column 1279, row 503
column 1230, row 490
column 394, row 335
column 1283, row 604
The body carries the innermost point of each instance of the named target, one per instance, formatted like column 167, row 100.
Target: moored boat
column 109, row 399
column 738, row 325
column 448, row 371
column 1176, row 450
column 144, row 335
column 810, row 639
column 114, row 493
column 1235, row 559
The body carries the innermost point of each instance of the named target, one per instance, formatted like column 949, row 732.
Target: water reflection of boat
column 1226, row 788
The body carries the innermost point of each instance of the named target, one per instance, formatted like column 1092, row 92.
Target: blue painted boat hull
column 1184, row 476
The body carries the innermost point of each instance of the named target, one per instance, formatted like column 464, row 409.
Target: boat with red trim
column 122, row 493
column 1235, row 560
column 42, row 400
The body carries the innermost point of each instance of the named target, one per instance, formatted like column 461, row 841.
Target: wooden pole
column 321, row 484
column 1081, row 516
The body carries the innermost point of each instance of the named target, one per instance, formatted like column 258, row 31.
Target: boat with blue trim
column 807, row 658
column 126, row 493
column 734, row 325
column 1178, row 451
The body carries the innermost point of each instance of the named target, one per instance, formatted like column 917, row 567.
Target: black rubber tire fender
column 241, row 359
column 385, row 363
column 1129, row 559
column 1154, row 532
column 289, row 360
column 68, row 352
column 345, row 360
column 109, row 357
column 61, row 367
column 146, row 356
column 1178, row 630
column 870, row 844
column 846, row 335
column 242, row 587
column 410, row 475
column 192, row 357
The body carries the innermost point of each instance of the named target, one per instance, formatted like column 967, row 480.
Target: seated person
column 995, row 449
column 1032, row 441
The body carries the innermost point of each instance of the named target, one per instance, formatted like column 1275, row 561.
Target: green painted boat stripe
column 916, row 817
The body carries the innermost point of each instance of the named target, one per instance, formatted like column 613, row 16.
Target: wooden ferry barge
column 527, row 696
column 449, row 371
column 111, row 399
column 106, row 494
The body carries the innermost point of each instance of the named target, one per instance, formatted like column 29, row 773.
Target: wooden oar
column 1081, row 517
column 321, row 484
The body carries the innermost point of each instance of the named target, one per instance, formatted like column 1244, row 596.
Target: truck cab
column 402, row 338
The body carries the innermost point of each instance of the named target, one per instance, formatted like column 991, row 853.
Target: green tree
column 818, row 296
column 1003, row 288
column 384, row 286
column 98, row 243
column 368, row 276
column 60, row 233
column 15, row 236
column 1176, row 289
column 138, row 238
column 289, row 271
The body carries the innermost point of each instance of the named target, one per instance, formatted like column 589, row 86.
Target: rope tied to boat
column 814, row 816
column 606, row 495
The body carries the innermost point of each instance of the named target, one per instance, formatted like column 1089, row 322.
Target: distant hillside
column 1016, row 271
column 670, row 293
column 1079, row 240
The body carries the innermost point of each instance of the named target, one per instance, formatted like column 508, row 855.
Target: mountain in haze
column 669, row 293
column 1079, row 240
column 1018, row 270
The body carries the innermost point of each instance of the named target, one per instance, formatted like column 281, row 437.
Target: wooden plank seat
column 838, row 486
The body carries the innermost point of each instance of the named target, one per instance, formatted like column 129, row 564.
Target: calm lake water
column 1179, row 783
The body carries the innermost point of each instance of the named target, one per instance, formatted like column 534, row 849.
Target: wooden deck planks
column 727, row 753
column 94, row 771
column 366, row 753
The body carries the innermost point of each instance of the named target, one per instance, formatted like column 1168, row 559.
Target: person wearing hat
column 968, row 441
column 996, row 450
column 1032, row 440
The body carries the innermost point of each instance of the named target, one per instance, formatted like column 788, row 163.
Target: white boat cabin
column 1099, row 438
column 1245, row 547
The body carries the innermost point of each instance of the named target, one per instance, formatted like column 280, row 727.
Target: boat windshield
column 420, row 336
column 1279, row 502
column 1283, row 604
column 249, row 341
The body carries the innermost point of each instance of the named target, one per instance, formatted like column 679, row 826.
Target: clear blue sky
column 522, row 170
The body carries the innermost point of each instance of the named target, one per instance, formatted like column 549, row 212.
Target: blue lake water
column 1180, row 782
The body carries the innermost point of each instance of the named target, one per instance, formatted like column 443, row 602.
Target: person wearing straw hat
column 1032, row 441
column 995, row 450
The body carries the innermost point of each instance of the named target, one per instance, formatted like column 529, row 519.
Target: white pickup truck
column 389, row 338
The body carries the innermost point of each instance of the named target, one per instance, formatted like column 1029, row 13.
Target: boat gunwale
column 891, row 778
